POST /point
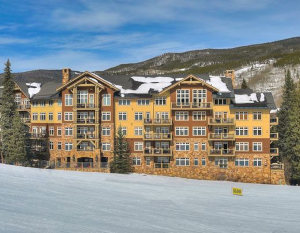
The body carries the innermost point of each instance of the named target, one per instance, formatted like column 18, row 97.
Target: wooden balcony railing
column 274, row 121
column 161, row 165
column 85, row 148
column 86, row 105
column 273, row 136
column 274, row 151
column 157, row 152
column 38, row 135
column 86, row 136
column 221, row 121
column 187, row 106
column 158, row 121
column 277, row 166
column 221, row 136
column 85, row 121
column 25, row 120
column 157, row 136
column 23, row 106
column 221, row 152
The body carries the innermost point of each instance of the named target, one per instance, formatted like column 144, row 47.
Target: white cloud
column 13, row 40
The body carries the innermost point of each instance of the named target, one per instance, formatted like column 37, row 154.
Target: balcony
column 221, row 152
column 158, row 122
column 23, row 107
column 161, row 165
column 158, row 136
column 277, row 166
column 38, row 135
column 25, row 120
column 86, row 105
column 274, row 136
column 85, row 121
column 221, row 121
column 221, row 136
column 86, row 136
column 274, row 121
column 274, row 151
column 85, row 148
column 192, row 106
column 157, row 152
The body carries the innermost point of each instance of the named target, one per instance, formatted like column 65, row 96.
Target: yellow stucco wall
column 55, row 109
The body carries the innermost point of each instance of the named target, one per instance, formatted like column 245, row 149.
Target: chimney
column 230, row 74
column 66, row 72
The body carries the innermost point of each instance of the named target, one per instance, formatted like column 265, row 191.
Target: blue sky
column 95, row 34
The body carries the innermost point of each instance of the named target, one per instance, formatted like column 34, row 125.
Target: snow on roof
column 33, row 88
column 217, row 82
column 245, row 99
column 93, row 79
column 275, row 110
column 152, row 79
column 262, row 97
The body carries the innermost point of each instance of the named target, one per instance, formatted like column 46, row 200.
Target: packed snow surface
column 217, row 82
column 33, row 88
column 246, row 99
column 36, row 200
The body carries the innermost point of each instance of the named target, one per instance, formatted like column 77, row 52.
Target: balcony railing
column 274, row 151
column 85, row 148
column 273, row 136
column 274, row 121
column 157, row 136
column 277, row 166
column 23, row 106
column 221, row 152
column 85, row 121
column 38, row 135
column 221, row 121
column 161, row 165
column 25, row 120
column 221, row 136
column 86, row 105
column 158, row 121
column 186, row 106
column 86, row 136
column 157, row 152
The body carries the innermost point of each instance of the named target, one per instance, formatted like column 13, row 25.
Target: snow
column 152, row 79
column 262, row 97
column 33, row 88
column 178, row 79
column 217, row 82
column 36, row 200
column 93, row 79
column 245, row 99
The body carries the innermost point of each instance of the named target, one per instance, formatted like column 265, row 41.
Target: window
column 43, row 103
column 35, row 116
column 160, row 100
column 122, row 116
column 181, row 116
column 182, row 131
column 203, row 146
column 138, row 116
column 18, row 98
column 199, row 95
column 257, row 131
column 124, row 131
column 182, row 162
column 136, row 161
column 82, row 97
column 106, row 131
column 221, row 162
column 220, row 101
column 68, row 131
column 68, row 99
column 43, row 116
column 182, row 97
column 50, row 116
column 196, row 146
column 124, row 102
column 241, row 131
column 182, row 146
column 203, row 161
column 241, row 115
column 138, row 131
column 199, row 131
column 105, row 146
column 58, row 131
column 199, row 115
column 143, row 102
column 196, row 161
column 68, row 146
column 256, row 115
column 148, row 161
column 35, row 103
column 50, row 102
column 59, row 102
column 68, row 116
column 257, row 146
column 138, row 146
column 51, row 145
column 106, row 100
column 257, row 162
column 105, row 116
column 51, row 130
column 59, row 145
column 242, row 146
column 59, row 116
column 241, row 162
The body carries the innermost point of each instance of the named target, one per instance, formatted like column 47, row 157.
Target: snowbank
column 216, row 82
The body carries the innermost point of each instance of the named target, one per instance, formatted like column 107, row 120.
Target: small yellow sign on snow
column 237, row 191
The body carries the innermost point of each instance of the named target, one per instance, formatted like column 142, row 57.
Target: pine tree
column 121, row 162
column 244, row 84
column 7, row 110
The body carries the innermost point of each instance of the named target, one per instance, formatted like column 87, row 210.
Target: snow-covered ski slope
column 36, row 200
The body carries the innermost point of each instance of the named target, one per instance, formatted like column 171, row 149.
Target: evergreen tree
column 121, row 162
column 7, row 110
column 244, row 84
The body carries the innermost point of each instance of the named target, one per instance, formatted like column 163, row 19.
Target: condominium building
column 193, row 126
